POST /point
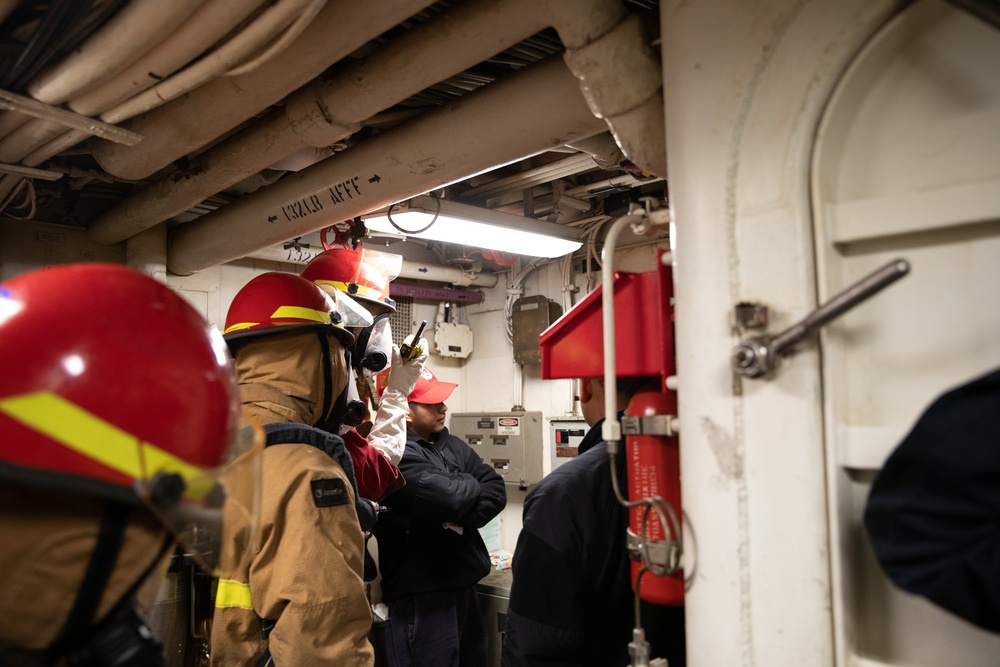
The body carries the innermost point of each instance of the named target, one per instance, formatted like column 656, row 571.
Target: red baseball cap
column 429, row 390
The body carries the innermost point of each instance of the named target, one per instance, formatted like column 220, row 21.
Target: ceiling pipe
column 35, row 143
column 140, row 25
column 518, row 116
column 32, row 142
column 602, row 148
column 326, row 112
column 109, row 51
column 190, row 122
column 546, row 173
column 620, row 77
column 410, row 270
column 263, row 33
column 205, row 27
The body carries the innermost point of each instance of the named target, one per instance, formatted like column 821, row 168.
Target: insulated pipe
column 632, row 105
column 428, row 54
column 446, row 274
column 205, row 27
column 532, row 177
column 140, row 25
column 324, row 113
column 622, row 181
column 10, row 121
column 36, row 132
column 601, row 46
column 603, row 148
column 235, row 52
column 35, row 141
column 541, row 106
column 194, row 120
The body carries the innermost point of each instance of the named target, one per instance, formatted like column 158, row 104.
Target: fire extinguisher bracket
column 667, row 425
column 664, row 554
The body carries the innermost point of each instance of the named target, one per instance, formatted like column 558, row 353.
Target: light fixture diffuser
column 475, row 226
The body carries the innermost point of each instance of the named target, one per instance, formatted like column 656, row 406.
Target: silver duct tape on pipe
column 411, row 270
column 326, row 112
column 521, row 115
column 190, row 122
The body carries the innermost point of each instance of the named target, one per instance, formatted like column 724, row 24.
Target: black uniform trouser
column 441, row 629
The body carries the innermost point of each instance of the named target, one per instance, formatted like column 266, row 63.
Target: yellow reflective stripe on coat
column 89, row 435
column 230, row 593
column 362, row 290
column 300, row 313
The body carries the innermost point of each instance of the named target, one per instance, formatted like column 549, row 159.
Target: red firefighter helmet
column 105, row 370
column 286, row 301
column 363, row 274
column 112, row 383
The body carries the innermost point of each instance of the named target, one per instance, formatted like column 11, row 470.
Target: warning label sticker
column 509, row 426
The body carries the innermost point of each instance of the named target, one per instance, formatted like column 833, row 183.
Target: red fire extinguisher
column 653, row 471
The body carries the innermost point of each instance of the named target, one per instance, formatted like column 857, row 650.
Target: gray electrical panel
column 511, row 442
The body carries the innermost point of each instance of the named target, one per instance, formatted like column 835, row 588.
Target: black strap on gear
column 102, row 561
column 342, row 411
column 324, row 344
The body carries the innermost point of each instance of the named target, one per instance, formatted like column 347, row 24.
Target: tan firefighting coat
column 47, row 539
column 305, row 572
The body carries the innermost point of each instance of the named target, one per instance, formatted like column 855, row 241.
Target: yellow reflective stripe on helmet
column 239, row 326
column 232, row 593
column 89, row 435
column 362, row 290
column 300, row 313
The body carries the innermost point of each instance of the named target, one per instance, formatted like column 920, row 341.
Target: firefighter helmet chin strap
column 122, row 638
column 326, row 361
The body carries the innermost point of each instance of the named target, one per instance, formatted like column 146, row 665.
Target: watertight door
column 906, row 164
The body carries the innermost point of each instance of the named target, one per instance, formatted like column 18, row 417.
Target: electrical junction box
column 529, row 317
column 565, row 436
column 452, row 340
column 511, row 442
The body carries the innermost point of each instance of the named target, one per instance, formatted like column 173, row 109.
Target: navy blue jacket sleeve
column 431, row 493
column 933, row 513
column 492, row 490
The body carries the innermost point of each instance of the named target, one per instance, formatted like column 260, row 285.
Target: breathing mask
column 373, row 348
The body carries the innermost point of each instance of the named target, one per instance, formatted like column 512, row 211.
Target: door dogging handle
column 756, row 356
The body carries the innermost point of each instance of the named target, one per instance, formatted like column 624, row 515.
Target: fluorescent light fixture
column 475, row 226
